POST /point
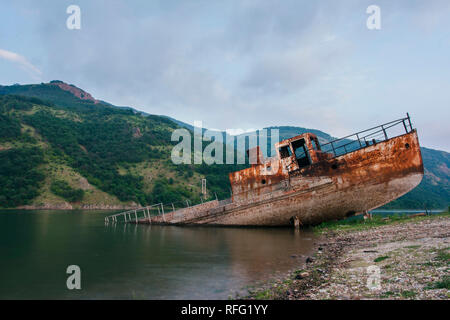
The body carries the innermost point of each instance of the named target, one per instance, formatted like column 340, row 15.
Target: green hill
column 59, row 151
column 61, row 148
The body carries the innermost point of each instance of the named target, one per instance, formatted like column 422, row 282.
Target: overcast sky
column 244, row 64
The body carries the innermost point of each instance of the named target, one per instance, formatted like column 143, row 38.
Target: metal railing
column 155, row 210
column 137, row 214
column 365, row 138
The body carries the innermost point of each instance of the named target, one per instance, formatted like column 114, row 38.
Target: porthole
column 407, row 145
column 263, row 181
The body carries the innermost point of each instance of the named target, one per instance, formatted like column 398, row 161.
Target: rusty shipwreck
column 308, row 182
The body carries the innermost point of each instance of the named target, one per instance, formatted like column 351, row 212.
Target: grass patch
column 443, row 284
column 356, row 224
column 408, row 294
column 413, row 247
column 379, row 259
column 443, row 255
column 263, row 295
column 388, row 294
column 427, row 264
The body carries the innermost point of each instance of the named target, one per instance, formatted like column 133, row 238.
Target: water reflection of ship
column 250, row 253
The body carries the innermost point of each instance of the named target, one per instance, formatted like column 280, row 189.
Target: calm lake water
column 137, row 262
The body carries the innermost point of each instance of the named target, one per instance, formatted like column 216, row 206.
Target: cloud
column 292, row 70
column 21, row 61
column 247, row 63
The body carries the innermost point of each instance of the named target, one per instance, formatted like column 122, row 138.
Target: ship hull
column 321, row 205
column 329, row 190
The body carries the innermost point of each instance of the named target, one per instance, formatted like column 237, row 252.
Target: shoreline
column 410, row 254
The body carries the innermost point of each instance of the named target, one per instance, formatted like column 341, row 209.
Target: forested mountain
column 61, row 148
column 58, row 150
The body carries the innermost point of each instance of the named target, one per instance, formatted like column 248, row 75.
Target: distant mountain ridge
column 97, row 146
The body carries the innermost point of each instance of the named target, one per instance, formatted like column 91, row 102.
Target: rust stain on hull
column 305, row 182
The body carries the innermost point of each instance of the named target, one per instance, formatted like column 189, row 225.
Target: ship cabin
column 299, row 152
column 265, row 175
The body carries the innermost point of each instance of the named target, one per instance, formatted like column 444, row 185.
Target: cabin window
column 285, row 152
column 315, row 143
column 301, row 153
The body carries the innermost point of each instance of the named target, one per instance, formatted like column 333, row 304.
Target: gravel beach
column 403, row 260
